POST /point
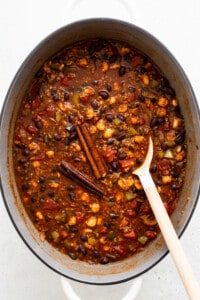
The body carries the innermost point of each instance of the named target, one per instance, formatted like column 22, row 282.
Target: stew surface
column 82, row 128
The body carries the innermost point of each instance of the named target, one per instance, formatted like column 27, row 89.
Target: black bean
column 169, row 91
column 72, row 136
column 127, row 57
column 73, row 229
column 38, row 124
column 114, row 165
column 175, row 186
column 102, row 110
column 121, row 117
column 139, row 161
column 33, row 199
column 142, row 70
column 73, row 128
column 51, row 194
column 122, row 70
column 70, row 187
column 179, row 139
column 82, row 249
column 26, row 152
column 111, row 199
column 42, row 188
column 22, row 160
column 57, row 136
column 174, row 173
column 153, row 168
column 107, row 224
column 109, row 87
column 161, row 120
column 20, row 146
column 122, row 155
column 71, row 195
column 83, row 237
column 55, row 97
column 164, row 146
column 66, row 141
column 141, row 98
column 41, row 179
column 104, row 260
column 25, row 187
column 112, row 58
column 94, row 104
column 96, row 254
column 110, row 141
column 109, row 117
column 121, row 136
column 154, row 122
column 71, row 118
column 104, row 94
column 66, row 96
column 113, row 215
column 95, row 82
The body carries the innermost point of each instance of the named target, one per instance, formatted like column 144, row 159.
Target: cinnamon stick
column 96, row 161
column 68, row 170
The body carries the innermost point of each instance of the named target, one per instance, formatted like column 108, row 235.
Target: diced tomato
column 151, row 234
column 164, row 166
column 65, row 80
column 63, row 234
column 38, row 157
column 31, row 129
column 126, row 164
column 136, row 61
column 50, row 204
column 79, row 215
column 103, row 229
column 36, row 102
column 109, row 154
column 119, row 249
column 131, row 234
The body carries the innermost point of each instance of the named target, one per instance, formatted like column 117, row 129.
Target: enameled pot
column 140, row 39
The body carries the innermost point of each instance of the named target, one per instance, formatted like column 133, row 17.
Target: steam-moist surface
column 82, row 127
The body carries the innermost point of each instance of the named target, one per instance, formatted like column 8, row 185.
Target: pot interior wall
column 100, row 28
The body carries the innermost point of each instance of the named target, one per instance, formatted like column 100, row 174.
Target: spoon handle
column 170, row 236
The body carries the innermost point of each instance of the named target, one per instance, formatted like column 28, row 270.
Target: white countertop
column 23, row 24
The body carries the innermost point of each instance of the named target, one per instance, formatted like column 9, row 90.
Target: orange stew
column 82, row 128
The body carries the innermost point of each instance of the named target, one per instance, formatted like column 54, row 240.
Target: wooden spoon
column 166, row 227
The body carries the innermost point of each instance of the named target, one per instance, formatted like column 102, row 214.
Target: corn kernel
column 101, row 124
column 166, row 179
column 50, row 153
column 104, row 66
column 138, row 139
column 36, row 164
column 122, row 108
column 72, row 220
column 163, row 102
column 89, row 114
column 145, row 79
column 85, row 197
column 112, row 100
column 39, row 215
column 161, row 112
column 95, row 207
column 108, row 133
column 91, row 222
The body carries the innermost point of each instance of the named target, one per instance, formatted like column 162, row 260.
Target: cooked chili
column 82, row 128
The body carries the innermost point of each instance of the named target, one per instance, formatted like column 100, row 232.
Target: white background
column 23, row 24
